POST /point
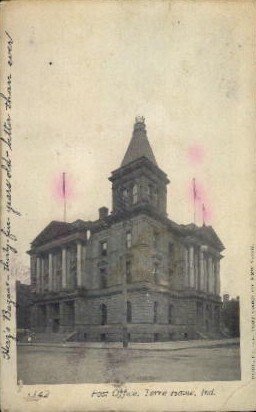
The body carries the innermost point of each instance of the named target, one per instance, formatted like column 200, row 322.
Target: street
column 184, row 361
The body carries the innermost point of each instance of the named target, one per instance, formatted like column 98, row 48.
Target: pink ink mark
column 63, row 188
column 196, row 154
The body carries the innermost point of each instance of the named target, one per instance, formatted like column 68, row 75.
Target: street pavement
column 151, row 362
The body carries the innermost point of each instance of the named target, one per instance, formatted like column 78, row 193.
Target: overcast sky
column 82, row 72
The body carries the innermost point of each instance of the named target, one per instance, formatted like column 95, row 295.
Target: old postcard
column 128, row 205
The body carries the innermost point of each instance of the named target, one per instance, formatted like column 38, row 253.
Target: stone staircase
column 211, row 336
column 44, row 337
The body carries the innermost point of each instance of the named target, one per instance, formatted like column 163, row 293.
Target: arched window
column 135, row 194
column 156, row 272
column 104, row 314
column 149, row 192
column 170, row 314
column 125, row 193
column 155, row 311
column 171, row 250
column 155, row 197
column 125, row 197
column 129, row 312
column 103, row 248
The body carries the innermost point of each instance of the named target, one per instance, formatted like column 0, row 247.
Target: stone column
column 42, row 275
column 186, row 267
column 33, row 273
column 50, row 272
column 205, row 272
column 196, row 268
column 217, row 277
column 84, row 264
column 207, row 283
column 191, row 267
column 79, row 264
column 63, row 315
column 64, row 268
column 201, row 269
column 38, row 274
column 210, row 274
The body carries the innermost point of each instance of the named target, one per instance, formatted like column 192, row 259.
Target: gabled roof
column 206, row 233
column 57, row 229
column 209, row 233
column 139, row 145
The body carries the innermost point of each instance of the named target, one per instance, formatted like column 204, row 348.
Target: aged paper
column 135, row 306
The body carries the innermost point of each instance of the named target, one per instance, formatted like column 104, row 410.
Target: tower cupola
column 139, row 181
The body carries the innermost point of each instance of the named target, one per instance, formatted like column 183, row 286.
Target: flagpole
column 64, row 196
column 203, row 213
column 194, row 196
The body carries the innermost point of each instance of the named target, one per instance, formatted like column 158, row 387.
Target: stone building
column 133, row 272
column 23, row 302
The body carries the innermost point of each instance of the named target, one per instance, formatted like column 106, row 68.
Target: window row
column 103, row 274
column 132, row 194
column 103, row 246
column 126, row 195
column 129, row 313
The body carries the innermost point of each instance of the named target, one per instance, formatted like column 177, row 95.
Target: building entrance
column 55, row 309
column 56, row 325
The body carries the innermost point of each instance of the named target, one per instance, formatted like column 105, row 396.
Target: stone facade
column 132, row 273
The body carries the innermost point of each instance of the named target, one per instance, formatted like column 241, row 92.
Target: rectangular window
column 128, row 239
column 171, row 249
column 129, row 312
column 128, row 272
column 156, row 239
column 104, row 248
column 170, row 314
column 155, row 311
column 103, row 278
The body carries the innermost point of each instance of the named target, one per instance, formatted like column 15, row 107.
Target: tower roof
column 139, row 145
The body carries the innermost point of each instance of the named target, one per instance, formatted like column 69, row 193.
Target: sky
column 81, row 78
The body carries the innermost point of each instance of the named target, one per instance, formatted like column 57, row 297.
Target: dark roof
column 206, row 233
column 139, row 145
column 57, row 229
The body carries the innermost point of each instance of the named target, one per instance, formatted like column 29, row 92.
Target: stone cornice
column 57, row 243
column 135, row 165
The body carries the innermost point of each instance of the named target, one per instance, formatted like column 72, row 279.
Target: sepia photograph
column 127, row 211
column 109, row 297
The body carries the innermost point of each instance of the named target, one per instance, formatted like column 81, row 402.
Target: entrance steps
column 211, row 335
column 50, row 337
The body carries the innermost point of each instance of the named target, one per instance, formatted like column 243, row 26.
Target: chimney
column 103, row 212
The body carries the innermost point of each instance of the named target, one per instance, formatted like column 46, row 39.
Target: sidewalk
column 153, row 346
